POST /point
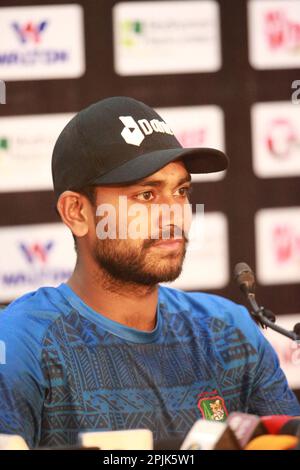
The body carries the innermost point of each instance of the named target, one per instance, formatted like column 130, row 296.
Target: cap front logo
column 134, row 132
column 131, row 132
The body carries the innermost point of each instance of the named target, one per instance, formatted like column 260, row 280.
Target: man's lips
column 169, row 244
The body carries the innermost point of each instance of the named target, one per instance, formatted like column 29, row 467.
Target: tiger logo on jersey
column 212, row 406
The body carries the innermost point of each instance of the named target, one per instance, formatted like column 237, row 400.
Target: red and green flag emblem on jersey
column 212, row 406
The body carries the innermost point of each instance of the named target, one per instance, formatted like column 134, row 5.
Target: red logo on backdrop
column 281, row 32
column 286, row 243
column 30, row 31
column 192, row 137
column 281, row 138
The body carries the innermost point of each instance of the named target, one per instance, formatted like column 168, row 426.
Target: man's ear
column 74, row 209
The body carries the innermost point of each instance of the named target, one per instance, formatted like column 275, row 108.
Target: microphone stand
column 267, row 319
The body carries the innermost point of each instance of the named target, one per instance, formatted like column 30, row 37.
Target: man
column 111, row 349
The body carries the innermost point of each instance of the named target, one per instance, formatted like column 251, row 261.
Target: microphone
column 67, row 447
column 245, row 427
column 131, row 439
column 210, row 435
column 275, row 423
column 248, row 427
column 244, row 276
column 291, row 427
column 235, row 434
column 172, row 443
column 273, row 442
column 12, row 442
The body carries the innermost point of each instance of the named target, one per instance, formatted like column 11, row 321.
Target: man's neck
column 132, row 305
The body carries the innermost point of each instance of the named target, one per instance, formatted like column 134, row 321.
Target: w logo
column 36, row 252
column 29, row 31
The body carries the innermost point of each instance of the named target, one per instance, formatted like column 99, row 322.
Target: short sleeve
column 270, row 394
column 22, row 385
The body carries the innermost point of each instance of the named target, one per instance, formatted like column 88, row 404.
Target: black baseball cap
column 121, row 140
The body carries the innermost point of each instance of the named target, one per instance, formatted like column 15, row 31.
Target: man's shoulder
column 216, row 314
column 32, row 313
column 202, row 300
column 206, row 306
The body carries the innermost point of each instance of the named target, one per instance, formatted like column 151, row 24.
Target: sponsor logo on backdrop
column 281, row 138
column 197, row 126
column 274, row 33
column 3, row 143
column 41, row 42
column 37, row 252
column 281, row 30
column 206, row 264
column 276, row 139
column 131, row 31
column 33, row 256
column 29, row 32
column 286, row 243
column 166, row 37
column 278, row 245
column 288, row 351
column 26, row 145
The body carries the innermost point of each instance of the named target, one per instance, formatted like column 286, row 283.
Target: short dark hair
column 89, row 192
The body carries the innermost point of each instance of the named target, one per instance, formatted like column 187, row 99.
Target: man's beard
column 138, row 264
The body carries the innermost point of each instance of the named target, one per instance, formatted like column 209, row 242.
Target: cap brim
column 203, row 160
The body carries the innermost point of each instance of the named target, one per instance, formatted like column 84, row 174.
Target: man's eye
column 145, row 196
column 185, row 191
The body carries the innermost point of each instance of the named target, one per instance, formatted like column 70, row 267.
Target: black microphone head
column 297, row 329
column 244, row 276
column 291, row 427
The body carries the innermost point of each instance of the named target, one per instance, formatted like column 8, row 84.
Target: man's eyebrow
column 185, row 179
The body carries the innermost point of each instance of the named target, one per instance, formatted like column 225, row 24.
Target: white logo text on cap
column 134, row 132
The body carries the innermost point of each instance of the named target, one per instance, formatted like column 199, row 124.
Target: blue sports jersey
column 69, row 369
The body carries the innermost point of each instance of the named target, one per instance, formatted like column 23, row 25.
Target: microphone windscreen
column 273, row 424
column 12, row 442
column 291, row 427
column 245, row 427
column 168, row 444
column 272, row 442
column 210, row 435
column 244, row 276
column 241, row 268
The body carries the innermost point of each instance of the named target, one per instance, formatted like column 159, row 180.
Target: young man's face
column 144, row 243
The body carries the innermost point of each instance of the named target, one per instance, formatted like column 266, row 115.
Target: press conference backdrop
column 221, row 73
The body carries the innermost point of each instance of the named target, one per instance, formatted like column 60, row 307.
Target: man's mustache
column 172, row 232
